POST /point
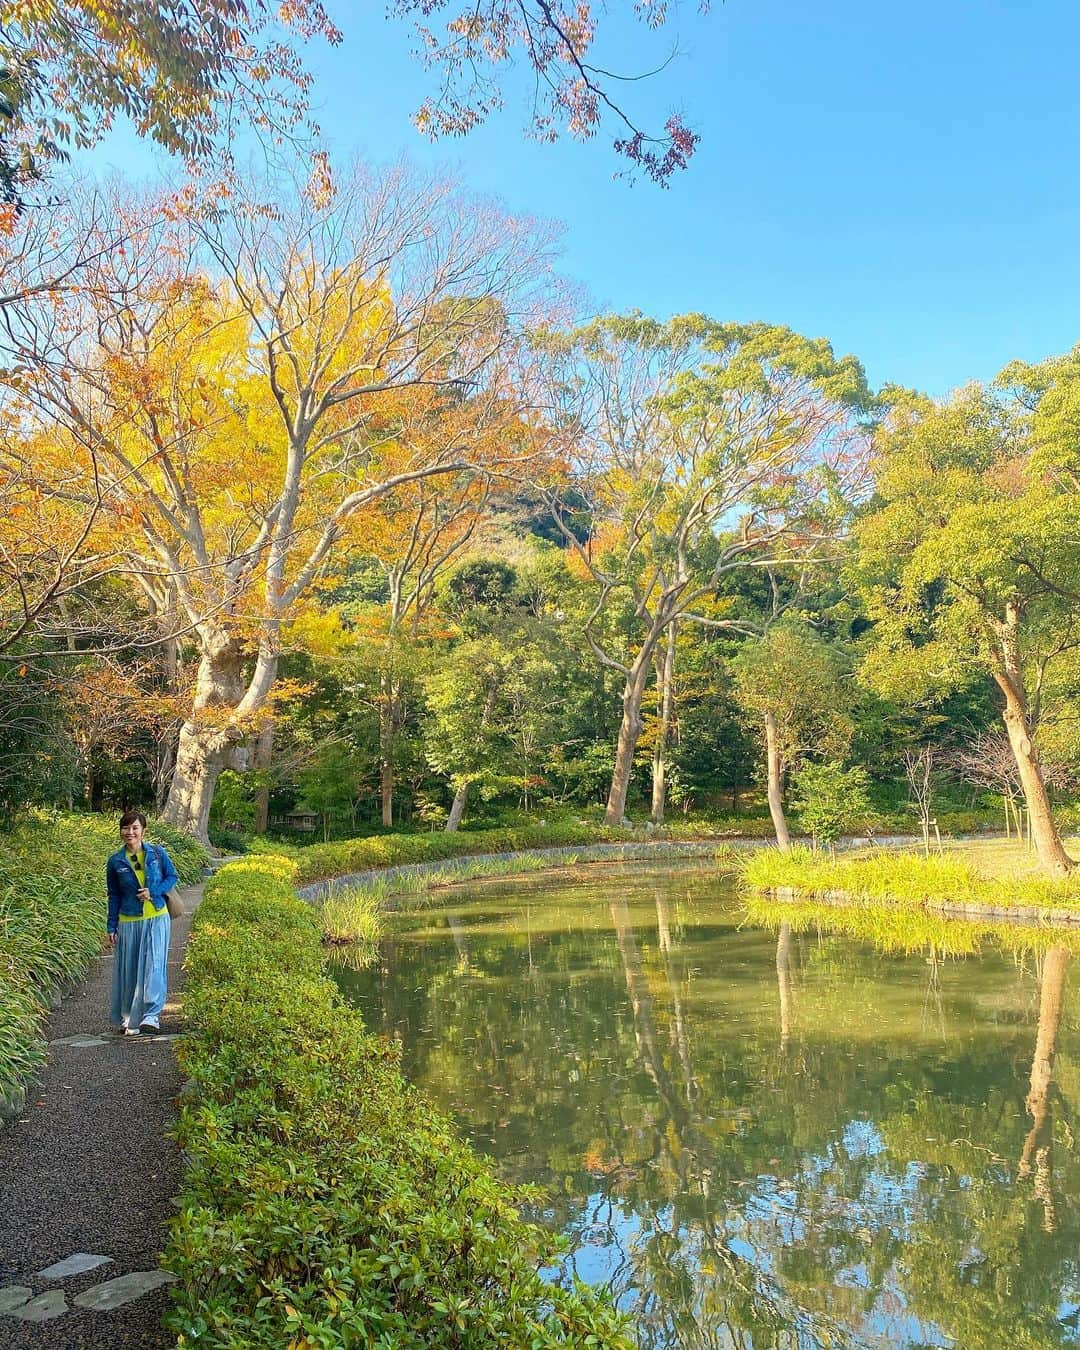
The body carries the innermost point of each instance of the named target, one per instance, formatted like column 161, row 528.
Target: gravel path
column 87, row 1169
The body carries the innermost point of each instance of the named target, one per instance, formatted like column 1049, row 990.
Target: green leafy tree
column 494, row 701
column 703, row 449
column 330, row 784
column 829, row 798
column 789, row 684
column 969, row 560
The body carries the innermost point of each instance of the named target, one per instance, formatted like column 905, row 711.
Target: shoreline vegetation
column 325, row 1201
column 351, row 906
column 323, row 1196
column 949, row 884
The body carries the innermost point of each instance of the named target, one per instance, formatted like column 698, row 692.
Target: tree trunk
column 629, row 733
column 198, row 765
column 457, row 809
column 775, row 785
column 387, row 712
column 205, row 743
column 665, row 680
column 1036, row 1158
column 641, row 1003
column 1009, row 676
column 264, row 752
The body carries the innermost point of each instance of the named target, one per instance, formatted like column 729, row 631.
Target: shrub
column 325, row 1202
column 829, row 798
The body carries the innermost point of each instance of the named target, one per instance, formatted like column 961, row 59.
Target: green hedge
column 52, row 922
column 345, row 856
column 317, row 862
column 325, row 1202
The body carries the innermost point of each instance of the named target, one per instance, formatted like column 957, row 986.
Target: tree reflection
column 1036, row 1158
column 741, row 1171
column 784, row 982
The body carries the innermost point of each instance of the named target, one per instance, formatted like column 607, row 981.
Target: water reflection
column 758, row 1136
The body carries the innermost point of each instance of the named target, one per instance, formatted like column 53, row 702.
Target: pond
column 755, row 1137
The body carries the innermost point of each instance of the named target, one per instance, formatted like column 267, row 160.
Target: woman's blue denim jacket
column 123, row 884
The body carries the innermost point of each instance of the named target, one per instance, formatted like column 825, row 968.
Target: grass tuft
column 904, row 879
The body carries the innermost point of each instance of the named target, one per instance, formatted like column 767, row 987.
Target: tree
column 68, row 69
column 919, row 765
column 789, row 684
column 572, row 92
column 490, row 698
column 968, row 555
column 492, row 718
column 665, row 717
column 251, row 379
column 987, row 761
column 413, row 536
column 829, row 797
column 330, row 784
column 704, row 449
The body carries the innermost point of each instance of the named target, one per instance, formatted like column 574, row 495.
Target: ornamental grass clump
column 325, row 1202
column 906, row 879
column 52, row 921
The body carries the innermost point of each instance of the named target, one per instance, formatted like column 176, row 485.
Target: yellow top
column 138, row 866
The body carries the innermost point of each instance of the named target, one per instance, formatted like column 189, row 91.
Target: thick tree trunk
column 264, row 753
column 665, row 680
column 198, row 766
column 629, row 733
column 1009, row 676
column 457, row 808
column 205, row 744
column 775, row 785
column 1036, row 1158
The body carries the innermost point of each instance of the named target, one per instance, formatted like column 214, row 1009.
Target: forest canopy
column 318, row 493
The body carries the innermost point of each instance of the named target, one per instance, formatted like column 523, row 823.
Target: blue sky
column 899, row 178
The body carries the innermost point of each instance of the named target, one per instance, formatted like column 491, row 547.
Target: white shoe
column 131, row 1031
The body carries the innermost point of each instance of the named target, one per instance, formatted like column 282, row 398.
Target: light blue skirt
column 140, row 970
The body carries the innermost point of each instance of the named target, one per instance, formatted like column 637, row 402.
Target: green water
column 755, row 1138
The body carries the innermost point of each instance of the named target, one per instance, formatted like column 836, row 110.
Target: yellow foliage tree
column 245, row 377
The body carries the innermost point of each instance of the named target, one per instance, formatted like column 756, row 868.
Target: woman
column 138, row 876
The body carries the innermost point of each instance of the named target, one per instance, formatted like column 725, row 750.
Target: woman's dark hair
column 130, row 817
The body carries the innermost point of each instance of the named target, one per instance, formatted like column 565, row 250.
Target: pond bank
column 445, row 872
column 1020, row 914
column 949, row 885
